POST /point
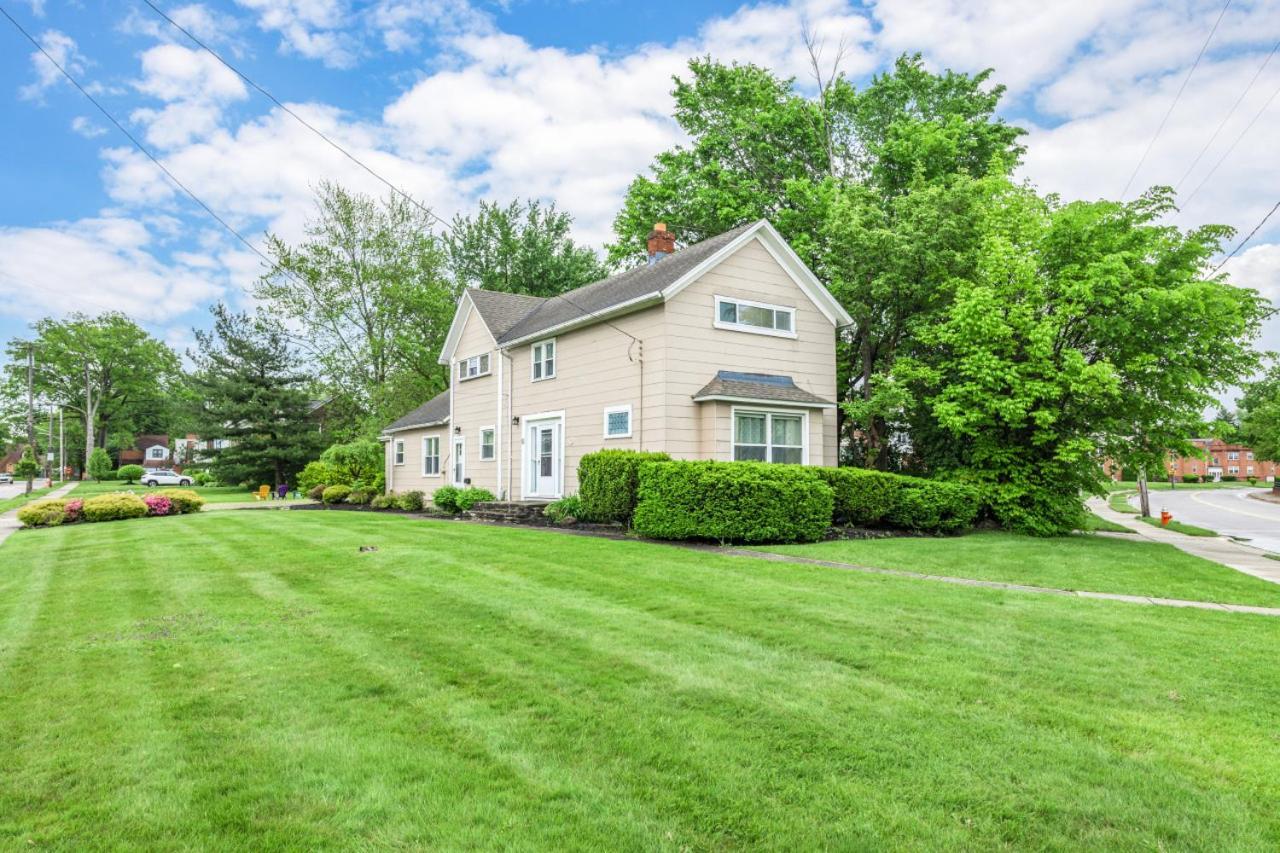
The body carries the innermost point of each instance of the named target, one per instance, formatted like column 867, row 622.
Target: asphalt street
column 1231, row 512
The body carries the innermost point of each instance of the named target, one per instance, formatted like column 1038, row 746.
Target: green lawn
column 1178, row 526
column 1092, row 563
column 1094, row 524
column 250, row 681
column 16, row 502
column 211, row 494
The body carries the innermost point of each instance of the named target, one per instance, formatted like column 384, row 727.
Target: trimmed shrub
column 568, row 508
column 317, row 474
column 412, row 501
column 862, row 496
column 732, row 502
column 202, row 478
column 183, row 500
column 48, row 513
column 158, row 504
column 1253, row 481
column 1190, row 478
column 129, row 473
column 1229, row 478
column 360, row 497
column 608, row 482
column 99, row 465
column 316, row 493
column 73, row 511
column 114, row 507
column 388, row 501
column 469, row 497
column 335, row 494
column 446, row 498
column 934, row 505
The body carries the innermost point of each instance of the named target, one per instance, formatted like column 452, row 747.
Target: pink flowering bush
column 158, row 504
column 72, row 511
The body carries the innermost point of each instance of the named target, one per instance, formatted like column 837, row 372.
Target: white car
column 165, row 477
column 6, row 478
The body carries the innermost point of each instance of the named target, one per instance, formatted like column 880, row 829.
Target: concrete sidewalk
column 1219, row 549
column 9, row 520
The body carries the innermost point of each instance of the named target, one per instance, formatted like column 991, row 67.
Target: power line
column 1176, row 98
column 143, row 148
column 1231, row 147
column 1242, row 243
column 1230, row 113
column 245, row 77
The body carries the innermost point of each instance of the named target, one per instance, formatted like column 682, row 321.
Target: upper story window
column 1233, row 455
column 768, row 437
column 617, row 422
column 477, row 365
column 1249, row 455
column 157, row 452
column 544, row 359
column 758, row 317
column 399, row 451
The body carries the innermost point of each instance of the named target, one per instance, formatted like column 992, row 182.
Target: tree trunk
column 1144, row 496
column 89, row 412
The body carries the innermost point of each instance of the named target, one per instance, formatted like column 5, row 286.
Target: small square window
column 617, row 422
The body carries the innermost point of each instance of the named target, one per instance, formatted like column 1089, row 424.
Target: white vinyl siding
column 543, row 360
column 743, row 315
column 431, row 456
column 769, row 437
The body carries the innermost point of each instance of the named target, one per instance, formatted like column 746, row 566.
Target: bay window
column 768, row 437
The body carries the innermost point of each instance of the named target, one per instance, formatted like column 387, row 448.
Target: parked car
column 165, row 477
column 6, row 478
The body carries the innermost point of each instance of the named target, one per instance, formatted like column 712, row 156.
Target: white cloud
column 315, row 29
column 62, row 48
column 95, row 265
column 87, row 128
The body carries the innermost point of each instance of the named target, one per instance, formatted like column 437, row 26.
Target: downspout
column 497, row 434
column 510, row 402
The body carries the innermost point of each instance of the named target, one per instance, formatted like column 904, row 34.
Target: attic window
column 476, row 365
column 742, row 315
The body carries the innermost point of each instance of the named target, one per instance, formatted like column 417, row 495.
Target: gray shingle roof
column 764, row 387
column 434, row 411
column 617, row 289
column 501, row 311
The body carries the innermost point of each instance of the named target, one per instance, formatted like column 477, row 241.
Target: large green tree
column 252, row 392
column 872, row 187
column 1072, row 341
column 369, row 295
column 1260, row 415
column 106, row 370
column 520, row 248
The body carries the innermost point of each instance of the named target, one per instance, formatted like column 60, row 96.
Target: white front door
column 459, row 461
column 543, row 458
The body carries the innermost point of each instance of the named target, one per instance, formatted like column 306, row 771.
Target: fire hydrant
column 1165, row 517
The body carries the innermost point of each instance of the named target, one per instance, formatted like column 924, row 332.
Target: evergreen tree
column 251, row 392
column 27, row 468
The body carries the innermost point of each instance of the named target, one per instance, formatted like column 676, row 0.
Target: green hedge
column 454, row 500
column 47, row 513
column 862, row 497
column 933, row 506
column 335, row 494
column 183, row 500
column 114, row 507
column 608, row 482
column 732, row 502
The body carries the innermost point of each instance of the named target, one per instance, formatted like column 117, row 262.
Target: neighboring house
column 10, row 460
column 149, row 451
column 722, row 350
column 1221, row 459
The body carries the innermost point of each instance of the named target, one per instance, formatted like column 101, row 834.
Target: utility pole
column 62, row 448
column 31, row 402
column 48, row 450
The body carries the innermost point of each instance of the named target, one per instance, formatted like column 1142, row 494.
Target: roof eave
column 390, row 430
column 590, row 319
column 762, row 401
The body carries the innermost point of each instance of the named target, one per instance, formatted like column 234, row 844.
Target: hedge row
column 758, row 502
column 110, row 507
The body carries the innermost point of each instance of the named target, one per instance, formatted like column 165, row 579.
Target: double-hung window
column 742, row 315
column 157, row 452
column 476, row 365
column 399, row 451
column 486, row 444
column 617, row 422
column 544, row 360
column 431, row 456
column 768, row 437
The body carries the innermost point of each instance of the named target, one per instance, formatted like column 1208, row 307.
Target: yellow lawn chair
column 263, row 493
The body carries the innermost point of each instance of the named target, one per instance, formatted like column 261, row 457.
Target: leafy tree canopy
column 1260, row 415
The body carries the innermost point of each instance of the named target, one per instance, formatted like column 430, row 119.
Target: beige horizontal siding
column 408, row 477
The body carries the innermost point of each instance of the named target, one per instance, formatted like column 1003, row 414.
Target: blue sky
column 554, row 100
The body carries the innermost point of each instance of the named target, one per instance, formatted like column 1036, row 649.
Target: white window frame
column 397, row 451
column 493, row 443
column 1233, row 469
column 1233, row 455
column 754, row 330
column 613, row 410
column 465, row 365
column 458, row 460
column 428, row 456
column 535, row 360
column 734, row 411
column 157, row 452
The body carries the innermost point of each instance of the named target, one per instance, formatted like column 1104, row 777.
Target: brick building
column 1221, row 459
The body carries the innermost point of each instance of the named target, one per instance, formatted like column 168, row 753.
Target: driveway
column 1231, row 512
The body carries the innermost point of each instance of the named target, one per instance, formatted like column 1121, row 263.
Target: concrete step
column 514, row 512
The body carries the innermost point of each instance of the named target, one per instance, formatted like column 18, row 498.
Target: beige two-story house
column 721, row 350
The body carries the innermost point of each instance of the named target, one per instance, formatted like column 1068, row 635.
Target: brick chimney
column 661, row 243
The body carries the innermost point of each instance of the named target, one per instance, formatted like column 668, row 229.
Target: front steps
column 510, row 512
